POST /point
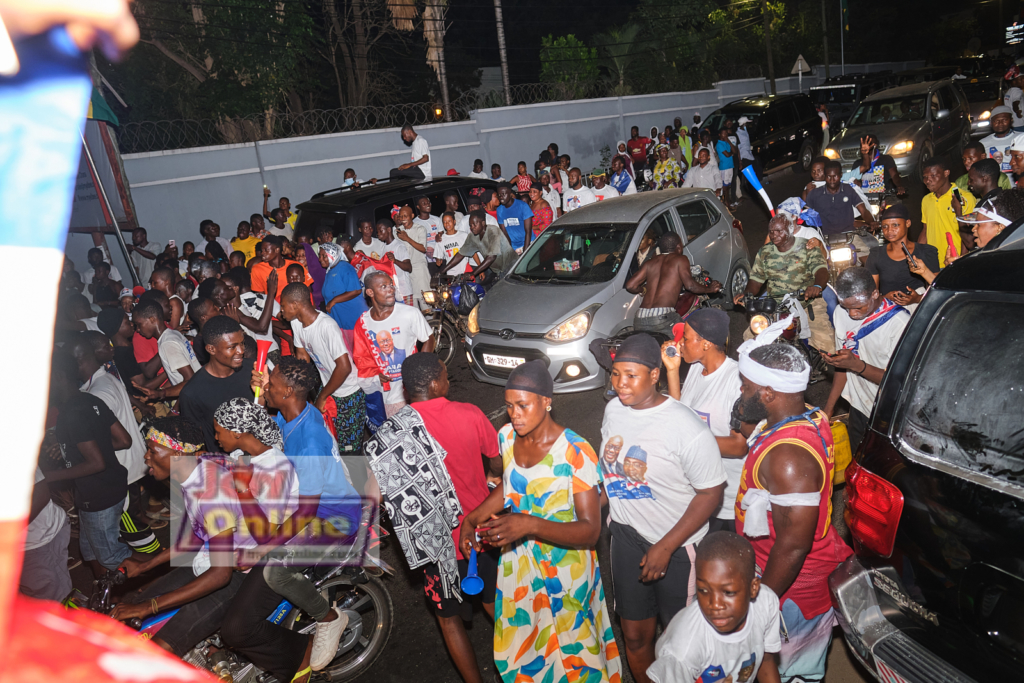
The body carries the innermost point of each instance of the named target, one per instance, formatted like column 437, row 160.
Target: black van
column 784, row 129
column 842, row 94
column 935, row 591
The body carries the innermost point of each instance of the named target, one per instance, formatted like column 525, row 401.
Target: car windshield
column 837, row 94
column 910, row 108
column 576, row 253
column 964, row 407
column 982, row 91
column 715, row 121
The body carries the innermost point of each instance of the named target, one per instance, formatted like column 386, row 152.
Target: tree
column 404, row 12
column 568, row 64
column 353, row 33
column 619, row 46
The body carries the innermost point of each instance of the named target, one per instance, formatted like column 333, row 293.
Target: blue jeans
column 99, row 536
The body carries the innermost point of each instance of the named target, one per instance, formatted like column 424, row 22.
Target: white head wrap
column 785, row 381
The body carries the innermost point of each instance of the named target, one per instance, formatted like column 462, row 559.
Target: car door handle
column 722, row 235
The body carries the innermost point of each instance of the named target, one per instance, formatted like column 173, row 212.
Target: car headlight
column 430, row 297
column 831, row 153
column 841, row 255
column 984, row 115
column 759, row 324
column 573, row 328
column 472, row 324
column 902, row 147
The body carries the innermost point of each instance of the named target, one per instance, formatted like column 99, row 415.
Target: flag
column 844, row 11
column 751, row 177
column 100, row 110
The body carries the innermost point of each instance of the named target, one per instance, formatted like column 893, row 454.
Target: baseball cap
column 125, row 292
column 1013, row 73
column 598, row 173
column 743, row 119
column 1018, row 144
column 138, row 290
column 1001, row 109
column 452, row 171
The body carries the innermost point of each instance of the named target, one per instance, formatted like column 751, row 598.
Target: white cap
column 743, row 119
column 1018, row 144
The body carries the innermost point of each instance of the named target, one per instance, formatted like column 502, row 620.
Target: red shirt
column 638, row 149
column 465, row 433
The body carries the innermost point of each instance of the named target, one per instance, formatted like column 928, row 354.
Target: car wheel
column 738, row 280
column 806, row 156
column 926, row 155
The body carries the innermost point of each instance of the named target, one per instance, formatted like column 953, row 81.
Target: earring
column 549, row 409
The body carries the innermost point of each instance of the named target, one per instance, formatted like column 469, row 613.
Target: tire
column 446, row 344
column 806, row 156
column 737, row 283
column 372, row 595
column 926, row 154
column 964, row 141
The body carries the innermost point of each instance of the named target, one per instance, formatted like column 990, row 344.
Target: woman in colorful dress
column 542, row 214
column 551, row 623
column 667, row 173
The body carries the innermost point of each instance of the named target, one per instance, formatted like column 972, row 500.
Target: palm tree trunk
column 433, row 33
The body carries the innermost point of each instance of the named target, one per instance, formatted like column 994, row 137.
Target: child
column 295, row 273
column 451, row 240
column 817, row 176
column 496, row 173
column 187, row 250
column 725, row 636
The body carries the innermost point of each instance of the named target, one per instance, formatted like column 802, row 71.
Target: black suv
column 343, row 208
column 842, row 94
column 935, row 591
column 783, row 128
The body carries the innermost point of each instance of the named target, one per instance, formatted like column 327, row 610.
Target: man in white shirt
column 478, row 169
column 430, row 223
column 44, row 568
column 602, row 190
column 704, row 173
column 143, row 254
column 997, row 143
column 176, row 355
column 621, row 180
column 401, row 255
column 550, row 195
column 211, row 233
column 1014, row 97
column 96, row 256
column 474, row 204
column 368, row 243
column 868, row 326
column 418, row 167
column 576, row 194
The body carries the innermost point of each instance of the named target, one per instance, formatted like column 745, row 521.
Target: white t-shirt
column 47, row 524
column 402, row 252
column 680, row 453
column 463, row 224
column 997, row 148
column 202, row 491
column 324, row 344
column 606, row 192
column 421, row 149
column 431, row 225
column 1009, row 97
column 875, row 349
column 144, row 266
column 400, row 331
column 481, row 174
column 712, row 398
column 113, row 393
column 375, row 249
column 574, row 199
column 252, row 305
column 691, row 649
column 225, row 244
column 175, row 352
column 553, row 199
column 450, row 245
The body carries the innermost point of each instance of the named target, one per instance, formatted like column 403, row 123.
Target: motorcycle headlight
column 984, row 115
column 430, row 297
column 472, row 324
column 904, row 147
column 446, row 293
column 759, row 324
column 573, row 328
column 831, row 153
column 841, row 255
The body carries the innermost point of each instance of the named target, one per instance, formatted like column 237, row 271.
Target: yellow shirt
column 246, row 246
column 939, row 218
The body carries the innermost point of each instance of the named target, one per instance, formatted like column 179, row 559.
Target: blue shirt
column 724, row 162
column 514, row 220
column 340, row 279
column 314, row 453
column 744, row 137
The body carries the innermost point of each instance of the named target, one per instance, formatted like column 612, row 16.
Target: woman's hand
column 950, row 255
column 501, row 530
column 906, row 298
column 655, row 563
column 918, row 267
column 467, row 538
column 671, row 363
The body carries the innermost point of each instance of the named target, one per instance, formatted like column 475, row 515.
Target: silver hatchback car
column 568, row 288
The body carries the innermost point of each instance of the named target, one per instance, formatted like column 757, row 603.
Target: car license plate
column 886, row 674
column 503, row 361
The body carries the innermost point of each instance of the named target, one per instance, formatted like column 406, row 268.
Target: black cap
column 896, row 211
column 711, row 324
column 639, row 348
column 533, row 377
column 109, row 321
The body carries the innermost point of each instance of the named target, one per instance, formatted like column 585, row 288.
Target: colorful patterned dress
column 551, row 624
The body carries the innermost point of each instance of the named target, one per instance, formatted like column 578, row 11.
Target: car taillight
column 873, row 509
column 737, row 224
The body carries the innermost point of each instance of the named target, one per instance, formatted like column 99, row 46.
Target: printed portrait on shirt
column 747, row 670
column 712, row 674
column 385, row 343
column 632, row 484
column 610, row 458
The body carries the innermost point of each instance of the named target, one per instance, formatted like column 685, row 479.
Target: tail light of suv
column 873, row 510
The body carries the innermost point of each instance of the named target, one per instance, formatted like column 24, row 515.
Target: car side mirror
column 941, row 114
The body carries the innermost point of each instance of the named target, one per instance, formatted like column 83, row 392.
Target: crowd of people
column 718, row 493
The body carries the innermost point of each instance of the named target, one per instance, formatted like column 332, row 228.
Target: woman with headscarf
column 550, row 620
column 622, row 153
column 667, row 172
column 342, row 290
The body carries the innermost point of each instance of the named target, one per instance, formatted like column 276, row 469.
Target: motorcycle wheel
column 446, row 340
column 377, row 614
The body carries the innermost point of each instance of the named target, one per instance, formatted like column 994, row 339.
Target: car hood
column 535, row 307
column 887, row 133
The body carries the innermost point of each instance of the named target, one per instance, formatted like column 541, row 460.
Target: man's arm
column 529, row 232
column 41, row 495
column 635, row 283
column 186, row 373
column 120, row 439
column 922, row 237
column 845, row 360
column 866, row 216
column 342, row 368
column 404, row 264
column 144, row 253
column 691, row 285
column 838, row 384
column 93, row 464
column 405, row 237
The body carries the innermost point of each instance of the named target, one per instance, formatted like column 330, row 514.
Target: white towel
column 757, row 503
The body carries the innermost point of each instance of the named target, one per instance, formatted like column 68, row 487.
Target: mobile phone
column 959, row 197
column 906, row 251
column 171, row 243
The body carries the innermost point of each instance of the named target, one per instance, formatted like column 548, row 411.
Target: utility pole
column 824, row 37
column 501, row 51
column 767, row 42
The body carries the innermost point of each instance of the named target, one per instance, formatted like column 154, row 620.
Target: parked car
column 913, row 123
column 983, row 94
column 568, row 288
column 784, row 128
column 935, row 589
column 842, row 94
column 343, row 208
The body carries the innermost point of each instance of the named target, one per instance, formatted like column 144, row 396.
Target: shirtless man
column 666, row 276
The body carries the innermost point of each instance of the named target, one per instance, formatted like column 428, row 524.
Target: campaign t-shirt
column 402, row 252
column 204, row 393
column 111, row 391
column 450, row 246
column 514, row 219
column 375, row 249
column 876, row 178
column 175, row 353
column 205, row 491
column 314, row 454
column 998, row 148
column 1013, row 96
column 491, row 243
column 48, row 523
column 324, row 344
column 606, row 192
column 691, row 649
column 395, row 338
column 462, row 225
column 896, row 275
column 712, row 398
column 874, row 348
column 253, row 304
column 623, row 182
column 653, row 461
column 465, row 433
column 421, row 149
column 431, row 226
column 86, row 418
column 574, row 199
column 342, row 278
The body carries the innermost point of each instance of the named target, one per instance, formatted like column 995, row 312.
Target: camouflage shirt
column 787, row 271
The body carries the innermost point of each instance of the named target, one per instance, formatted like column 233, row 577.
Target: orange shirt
column 261, row 271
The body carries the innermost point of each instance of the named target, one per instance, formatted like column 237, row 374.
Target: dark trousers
column 413, row 173
column 856, row 426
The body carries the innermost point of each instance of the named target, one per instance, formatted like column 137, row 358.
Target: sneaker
column 326, row 640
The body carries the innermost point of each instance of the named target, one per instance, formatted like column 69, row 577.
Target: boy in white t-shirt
column 176, row 354
column 732, row 632
column 451, row 240
column 368, row 243
column 401, row 255
column 430, row 223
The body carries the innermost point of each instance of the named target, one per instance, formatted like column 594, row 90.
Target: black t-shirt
column 199, row 348
column 204, row 393
column 886, row 163
column 127, row 367
column 87, row 418
column 896, row 275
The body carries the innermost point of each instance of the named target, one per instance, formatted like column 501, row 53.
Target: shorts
column 350, row 421
column 726, row 177
column 637, row 601
column 486, row 569
column 99, row 536
column 719, row 524
column 44, row 572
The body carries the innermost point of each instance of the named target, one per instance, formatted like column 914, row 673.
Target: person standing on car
column 666, row 276
column 941, row 209
column 418, row 167
column 834, row 200
column 868, row 326
column 672, row 483
column 784, row 503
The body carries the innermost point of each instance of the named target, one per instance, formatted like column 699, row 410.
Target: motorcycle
column 849, row 249
column 763, row 311
column 356, row 591
column 449, row 315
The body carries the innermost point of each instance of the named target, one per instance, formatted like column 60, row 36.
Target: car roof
column 996, row 268
column 630, row 208
column 757, row 102
column 907, row 90
column 341, row 199
column 853, row 79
